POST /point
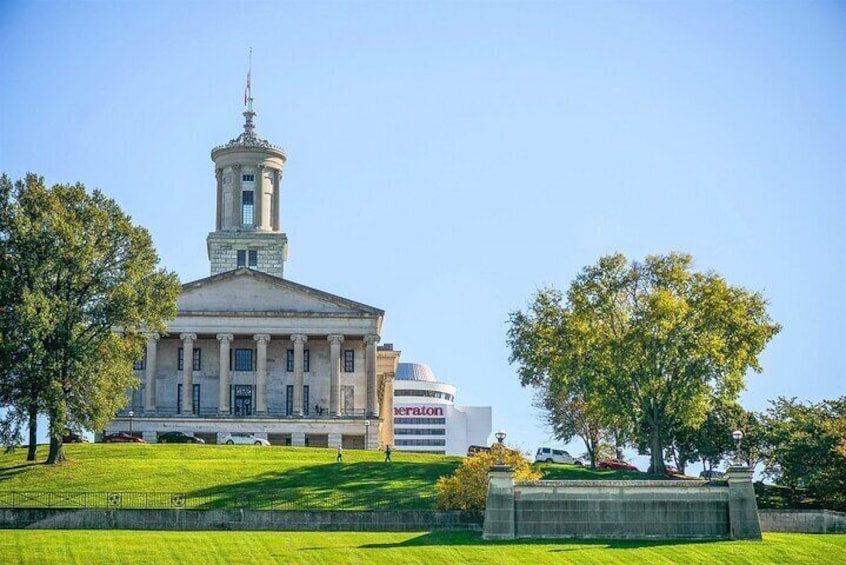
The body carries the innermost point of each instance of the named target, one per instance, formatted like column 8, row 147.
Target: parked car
column 671, row 469
column 477, row 449
column 549, row 455
column 122, row 438
column 615, row 465
column 73, row 437
column 230, row 439
column 712, row 474
column 178, row 437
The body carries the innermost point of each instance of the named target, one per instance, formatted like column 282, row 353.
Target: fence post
column 743, row 509
column 499, row 507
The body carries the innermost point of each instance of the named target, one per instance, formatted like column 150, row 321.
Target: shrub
column 467, row 488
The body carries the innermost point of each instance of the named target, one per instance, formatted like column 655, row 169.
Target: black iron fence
column 177, row 500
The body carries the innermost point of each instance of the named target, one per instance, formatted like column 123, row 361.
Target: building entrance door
column 243, row 404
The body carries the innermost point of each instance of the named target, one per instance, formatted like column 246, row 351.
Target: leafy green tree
column 805, row 448
column 78, row 287
column 651, row 341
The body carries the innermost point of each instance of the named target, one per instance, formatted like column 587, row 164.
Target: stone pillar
column 261, row 373
column 370, row 342
column 335, row 341
column 187, row 372
column 223, row 387
column 258, row 199
column 236, row 197
column 150, row 374
column 274, row 200
column 299, row 344
column 499, row 507
column 218, row 173
column 743, row 509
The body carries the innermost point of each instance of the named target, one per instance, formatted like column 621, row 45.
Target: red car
column 122, row 438
column 615, row 465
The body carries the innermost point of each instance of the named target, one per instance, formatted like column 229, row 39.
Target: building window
column 289, row 400
column 195, row 405
column 420, row 421
column 247, row 208
column 141, row 364
column 426, row 393
column 244, row 360
column 253, row 259
column 248, row 177
column 419, row 442
column 181, row 358
column 305, row 400
column 242, row 258
column 289, row 361
column 420, row 432
column 241, row 400
column 349, row 360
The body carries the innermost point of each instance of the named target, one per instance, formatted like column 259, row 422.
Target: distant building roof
column 415, row 372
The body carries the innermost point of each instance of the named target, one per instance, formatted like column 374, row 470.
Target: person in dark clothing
column 387, row 454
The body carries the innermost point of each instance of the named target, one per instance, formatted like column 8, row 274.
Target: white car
column 549, row 455
column 230, row 439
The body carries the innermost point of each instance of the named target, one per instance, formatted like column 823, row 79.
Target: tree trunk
column 57, row 452
column 656, row 461
column 33, row 433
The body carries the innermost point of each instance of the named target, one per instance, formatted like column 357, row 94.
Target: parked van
column 549, row 455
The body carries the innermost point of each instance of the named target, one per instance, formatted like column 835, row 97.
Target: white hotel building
column 426, row 418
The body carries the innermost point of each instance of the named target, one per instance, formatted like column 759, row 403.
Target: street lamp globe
column 500, row 436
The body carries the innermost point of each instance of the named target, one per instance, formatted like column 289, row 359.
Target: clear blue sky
column 446, row 160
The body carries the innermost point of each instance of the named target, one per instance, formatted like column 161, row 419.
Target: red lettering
column 418, row 411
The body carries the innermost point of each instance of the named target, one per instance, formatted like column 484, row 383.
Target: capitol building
column 251, row 352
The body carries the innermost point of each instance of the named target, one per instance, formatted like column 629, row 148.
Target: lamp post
column 366, row 433
column 737, row 435
column 500, row 437
column 131, row 414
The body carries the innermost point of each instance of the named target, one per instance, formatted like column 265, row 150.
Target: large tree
column 653, row 341
column 79, row 285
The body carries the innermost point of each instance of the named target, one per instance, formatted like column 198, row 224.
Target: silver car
column 230, row 439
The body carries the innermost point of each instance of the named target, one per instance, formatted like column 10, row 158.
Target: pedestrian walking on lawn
column 387, row 454
column 340, row 457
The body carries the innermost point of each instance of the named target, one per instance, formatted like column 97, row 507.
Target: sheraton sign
column 418, row 411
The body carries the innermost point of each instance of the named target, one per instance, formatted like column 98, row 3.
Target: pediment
column 248, row 291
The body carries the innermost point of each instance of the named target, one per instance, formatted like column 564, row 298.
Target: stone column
column 261, row 373
column 150, row 374
column 187, row 372
column 744, row 522
column 299, row 343
column 218, row 173
column 236, row 196
column 223, row 387
column 370, row 342
column 335, row 341
column 499, row 507
column 274, row 200
column 258, row 198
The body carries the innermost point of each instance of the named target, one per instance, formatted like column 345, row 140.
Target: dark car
column 615, row 465
column 122, row 438
column 73, row 437
column 178, row 437
column 712, row 474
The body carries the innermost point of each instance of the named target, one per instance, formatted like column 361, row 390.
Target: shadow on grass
column 573, row 544
column 408, row 485
column 7, row 473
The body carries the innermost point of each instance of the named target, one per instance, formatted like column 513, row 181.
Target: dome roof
column 415, row 372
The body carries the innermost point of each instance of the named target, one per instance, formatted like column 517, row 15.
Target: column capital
column 371, row 339
column 236, row 167
column 301, row 338
column 225, row 337
column 188, row 337
column 262, row 338
column 153, row 336
column 335, row 338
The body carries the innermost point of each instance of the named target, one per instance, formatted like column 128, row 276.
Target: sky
column 446, row 160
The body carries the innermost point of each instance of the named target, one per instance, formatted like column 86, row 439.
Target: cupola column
column 274, row 201
column 236, row 196
column 218, row 173
column 258, row 199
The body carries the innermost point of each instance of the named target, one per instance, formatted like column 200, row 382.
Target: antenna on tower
column 248, row 92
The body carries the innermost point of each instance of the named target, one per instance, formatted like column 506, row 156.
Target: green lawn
column 313, row 548
column 218, row 472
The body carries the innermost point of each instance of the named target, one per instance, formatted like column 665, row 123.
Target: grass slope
column 223, row 471
column 312, row 548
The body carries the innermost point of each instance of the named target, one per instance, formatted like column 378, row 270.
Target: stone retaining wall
column 252, row 520
column 803, row 521
column 656, row 509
